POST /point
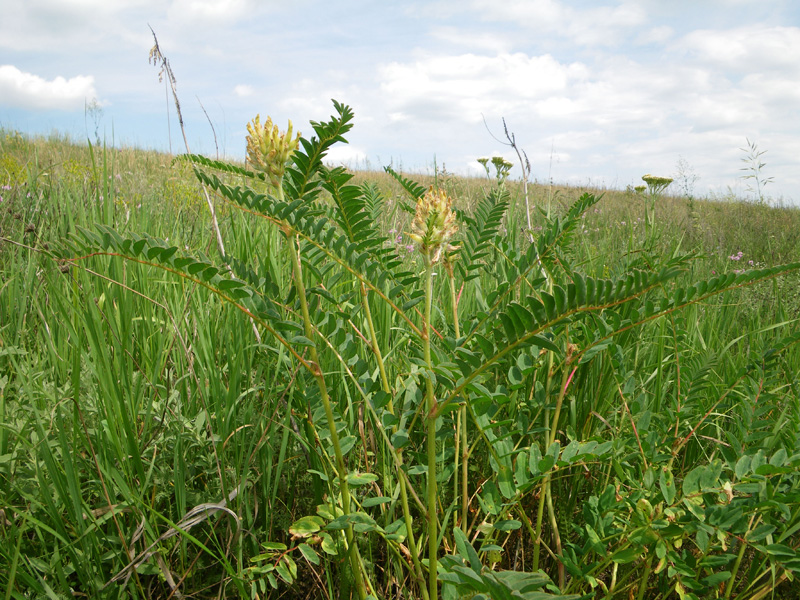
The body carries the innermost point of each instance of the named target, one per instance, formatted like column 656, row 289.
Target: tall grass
column 394, row 425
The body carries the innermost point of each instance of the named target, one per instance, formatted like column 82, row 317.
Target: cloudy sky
column 596, row 92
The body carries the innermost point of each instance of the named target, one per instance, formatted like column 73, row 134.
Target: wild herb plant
column 656, row 186
column 476, row 418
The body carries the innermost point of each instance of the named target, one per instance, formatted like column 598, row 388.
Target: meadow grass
column 156, row 442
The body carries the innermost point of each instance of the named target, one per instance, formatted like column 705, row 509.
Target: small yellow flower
column 268, row 149
column 434, row 224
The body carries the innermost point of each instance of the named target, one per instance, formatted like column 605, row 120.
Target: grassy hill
column 597, row 404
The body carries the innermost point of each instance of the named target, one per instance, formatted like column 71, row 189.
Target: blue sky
column 596, row 92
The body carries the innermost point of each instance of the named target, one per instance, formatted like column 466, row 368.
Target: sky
column 596, row 93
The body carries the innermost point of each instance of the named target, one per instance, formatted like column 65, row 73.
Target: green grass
column 641, row 447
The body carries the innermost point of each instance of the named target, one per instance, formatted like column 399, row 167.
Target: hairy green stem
column 433, row 546
column 645, row 576
column 352, row 547
column 537, row 540
column 456, row 459
column 735, row 571
column 462, row 416
column 376, row 349
column 412, row 545
column 739, row 557
column 464, row 469
column 551, row 514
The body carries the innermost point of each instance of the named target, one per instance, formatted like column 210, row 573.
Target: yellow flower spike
column 268, row 149
column 434, row 224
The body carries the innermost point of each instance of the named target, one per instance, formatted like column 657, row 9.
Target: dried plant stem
column 525, row 165
column 157, row 58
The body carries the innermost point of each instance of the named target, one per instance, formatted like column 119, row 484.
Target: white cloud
column 464, row 87
column 597, row 26
column 86, row 25
column 473, row 39
column 347, row 155
column 215, row 11
column 35, row 25
column 752, row 49
column 243, row 90
column 655, row 35
column 26, row 90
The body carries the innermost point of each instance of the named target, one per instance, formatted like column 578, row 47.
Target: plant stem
column 376, row 349
column 464, row 469
column 548, row 490
column 75, row 376
column 551, row 514
column 645, row 576
column 462, row 415
column 352, row 547
column 433, row 546
column 412, row 545
column 537, row 541
column 739, row 557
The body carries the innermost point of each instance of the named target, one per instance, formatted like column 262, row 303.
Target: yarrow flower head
column 434, row 224
column 656, row 184
column 501, row 163
column 501, row 166
column 268, row 149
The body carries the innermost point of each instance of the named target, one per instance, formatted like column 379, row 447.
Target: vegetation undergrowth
column 387, row 387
